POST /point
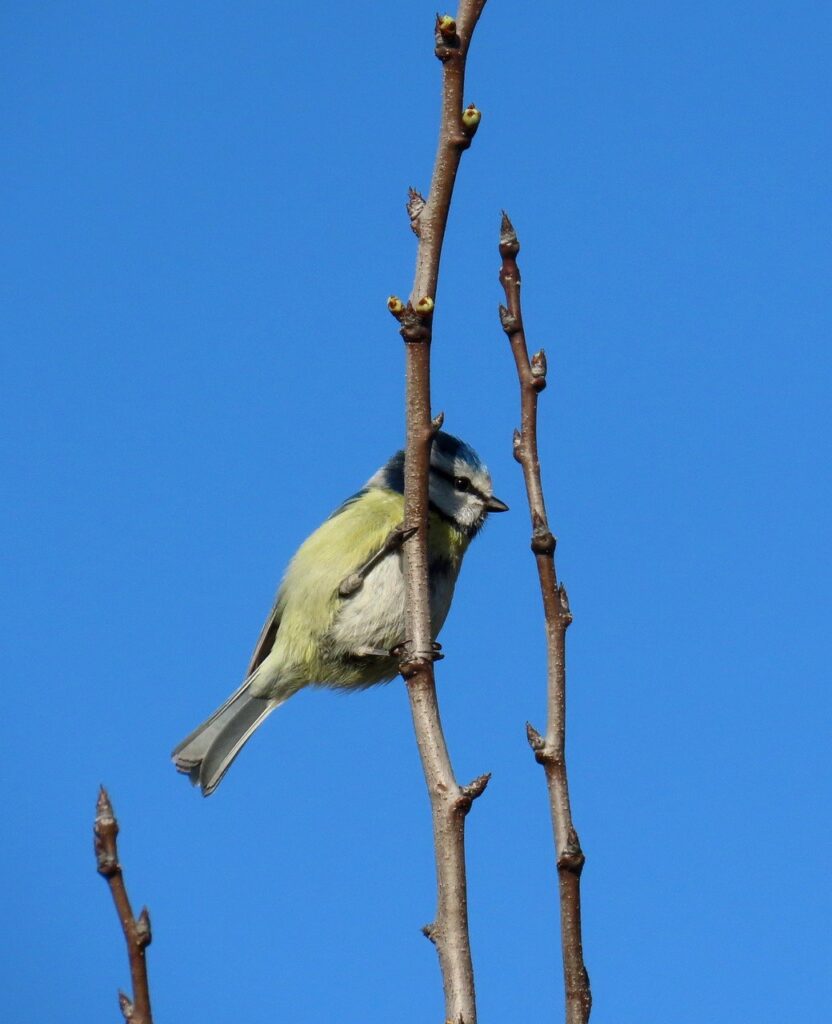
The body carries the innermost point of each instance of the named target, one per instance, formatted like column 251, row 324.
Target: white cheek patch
column 463, row 507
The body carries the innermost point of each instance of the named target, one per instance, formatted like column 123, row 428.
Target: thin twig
column 550, row 751
column 137, row 934
column 449, row 801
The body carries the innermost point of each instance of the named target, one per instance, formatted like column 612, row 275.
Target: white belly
column 374, row 615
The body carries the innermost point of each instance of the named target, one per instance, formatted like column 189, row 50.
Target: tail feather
column 207, row 753
column 194, row 747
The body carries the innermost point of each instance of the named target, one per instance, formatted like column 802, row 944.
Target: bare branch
column 550, row 751
column 137, row 933
column 449, row 802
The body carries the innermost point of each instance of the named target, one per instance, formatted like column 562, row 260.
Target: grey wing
column 267, row 637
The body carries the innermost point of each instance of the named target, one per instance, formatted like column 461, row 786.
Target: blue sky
column 205, row 219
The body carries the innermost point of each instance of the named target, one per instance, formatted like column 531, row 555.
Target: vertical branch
column 137, row 933
column 550, row 751
column 450, row 802
column 429, row 219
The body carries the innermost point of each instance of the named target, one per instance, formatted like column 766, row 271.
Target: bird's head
column 460, row 487
column 460, row 484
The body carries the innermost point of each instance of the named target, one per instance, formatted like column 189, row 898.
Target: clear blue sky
column 205, row 217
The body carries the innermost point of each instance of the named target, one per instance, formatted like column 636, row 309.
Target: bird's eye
column 462, row 483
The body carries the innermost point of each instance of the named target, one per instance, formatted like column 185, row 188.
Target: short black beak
column 495, row 505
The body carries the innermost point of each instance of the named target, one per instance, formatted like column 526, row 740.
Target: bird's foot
column 400, row 650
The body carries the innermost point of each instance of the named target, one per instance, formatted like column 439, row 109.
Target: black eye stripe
column 450, row 477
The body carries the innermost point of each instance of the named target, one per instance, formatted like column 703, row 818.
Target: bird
column 338, row 618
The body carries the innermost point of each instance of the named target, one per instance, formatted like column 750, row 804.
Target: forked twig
column 449, row 801
column 550, row 751
column 137, row 934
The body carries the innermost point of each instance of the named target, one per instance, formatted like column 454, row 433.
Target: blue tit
column 339, row 613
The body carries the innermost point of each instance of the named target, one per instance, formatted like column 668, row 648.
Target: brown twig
column 449, row 801
column 549, row 750
column 137, row 933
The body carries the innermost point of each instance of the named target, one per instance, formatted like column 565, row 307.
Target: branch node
column 430, row 932
column 538, row 364
column 469, row 793
column 510, row 323
column 572, row 856
column 143, row 932
column 411, row 668
column 543, row 540
column 517, row 449
column 436, row 423
column 538, row 369
column 125, row 1005
column 565, row 610
column 446, row 38
column 415, row 329
column 415, row 204
column 536, row 741
column 573, row 863
column 544, row 752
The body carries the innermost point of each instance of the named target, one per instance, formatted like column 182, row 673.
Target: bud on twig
column 125, row 1004
column 447, row 26
column 549, row 750
column 517, row 446
column 508, row 320
column 415, row 204
column 471, row 118
column 509, row 245
column 537, row 365
column 144, row 936
column 447, row 39
column 136, row 931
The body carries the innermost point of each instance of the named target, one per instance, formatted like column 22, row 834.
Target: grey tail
column 207, row 754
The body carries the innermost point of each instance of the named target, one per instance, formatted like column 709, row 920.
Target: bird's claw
column 400, row 650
